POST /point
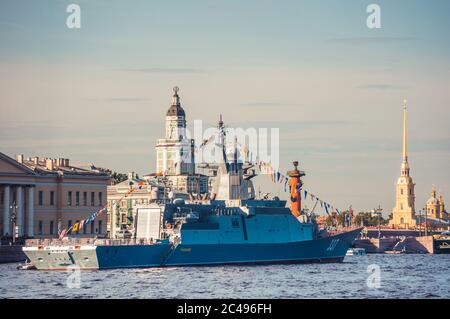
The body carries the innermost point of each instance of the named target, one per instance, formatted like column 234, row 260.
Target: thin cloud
column 167, row 70
column 379, row 86
column 294, row 124
column 371, row 40
column 264, row 104
column 118, row 99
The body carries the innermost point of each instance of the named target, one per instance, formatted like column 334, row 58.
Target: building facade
column 403, row 214
column 43, row 196
column 122, row 210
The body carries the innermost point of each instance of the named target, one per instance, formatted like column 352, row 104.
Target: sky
column 312, row 68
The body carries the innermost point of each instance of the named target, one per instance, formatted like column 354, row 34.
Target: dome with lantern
column 176, row 109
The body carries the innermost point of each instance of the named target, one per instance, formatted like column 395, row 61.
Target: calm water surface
column 402, row 276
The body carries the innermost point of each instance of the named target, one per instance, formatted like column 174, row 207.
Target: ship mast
column 295, row 184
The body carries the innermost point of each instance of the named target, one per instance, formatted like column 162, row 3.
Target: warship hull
column 322, row 250
column 94, row 257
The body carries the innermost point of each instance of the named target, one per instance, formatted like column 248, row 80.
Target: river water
column 399, row 276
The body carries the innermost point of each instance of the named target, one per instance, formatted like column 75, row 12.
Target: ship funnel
column 295, row 184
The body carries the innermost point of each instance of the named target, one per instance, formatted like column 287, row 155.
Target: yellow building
column 436, row 207
column 403, row 214
column 38, row 194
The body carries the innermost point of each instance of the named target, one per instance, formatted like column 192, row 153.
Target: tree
column 115, row 177
column 369, row 219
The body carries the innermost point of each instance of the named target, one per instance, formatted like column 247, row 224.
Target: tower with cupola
column 175, row 153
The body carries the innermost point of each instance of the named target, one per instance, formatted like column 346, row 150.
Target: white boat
column 26, row 266
column 355, row 252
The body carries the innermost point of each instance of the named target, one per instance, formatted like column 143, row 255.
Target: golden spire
column 405, row 155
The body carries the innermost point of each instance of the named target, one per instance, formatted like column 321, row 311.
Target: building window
column 69, row 198
column 92, row 227
column 84, row 198
column 410, row 191
column 77, row 198
column 100, row 198
column 84, row 229
column 100, row 227
column 52, row 198
column 40, row 228
column 69, row 224
column 52, row 226
column 401, row 206
column 2, row 197
column 124, row 218
column 401, row 191
column 108, row 218
column 41, row 198
column 92, row 199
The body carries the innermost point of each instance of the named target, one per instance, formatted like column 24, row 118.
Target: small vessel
column 233, row 227
column 441, row 243
column 394, row 252
column 26, row 266
column 356, row 252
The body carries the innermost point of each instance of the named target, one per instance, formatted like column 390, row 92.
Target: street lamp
column 420, row 222
column 13, row 221
column 426, row 221
column 379, row 211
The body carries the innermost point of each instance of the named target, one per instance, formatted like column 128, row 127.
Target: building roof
column 133, row 180
column 21, row 169
column 59, row 166
column 176, row 109
column 169, row 175
column 433, row 200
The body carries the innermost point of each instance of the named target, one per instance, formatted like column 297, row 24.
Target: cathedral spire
column 403, row 214
column 405, row 155
column 405, row 164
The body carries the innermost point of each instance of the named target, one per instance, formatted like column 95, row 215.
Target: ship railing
column 87, row 241
column 335, row 231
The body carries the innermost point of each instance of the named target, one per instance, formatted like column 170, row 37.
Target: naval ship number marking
column 333, row 244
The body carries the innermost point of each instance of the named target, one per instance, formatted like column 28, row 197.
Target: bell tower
column 175, row 153
column 403, row 214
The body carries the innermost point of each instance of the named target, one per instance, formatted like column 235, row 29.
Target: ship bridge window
column 235, row 222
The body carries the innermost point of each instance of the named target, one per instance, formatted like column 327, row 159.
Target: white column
column 6, row 216
column 113, row 218
column 20, row 217
column 30, row 213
